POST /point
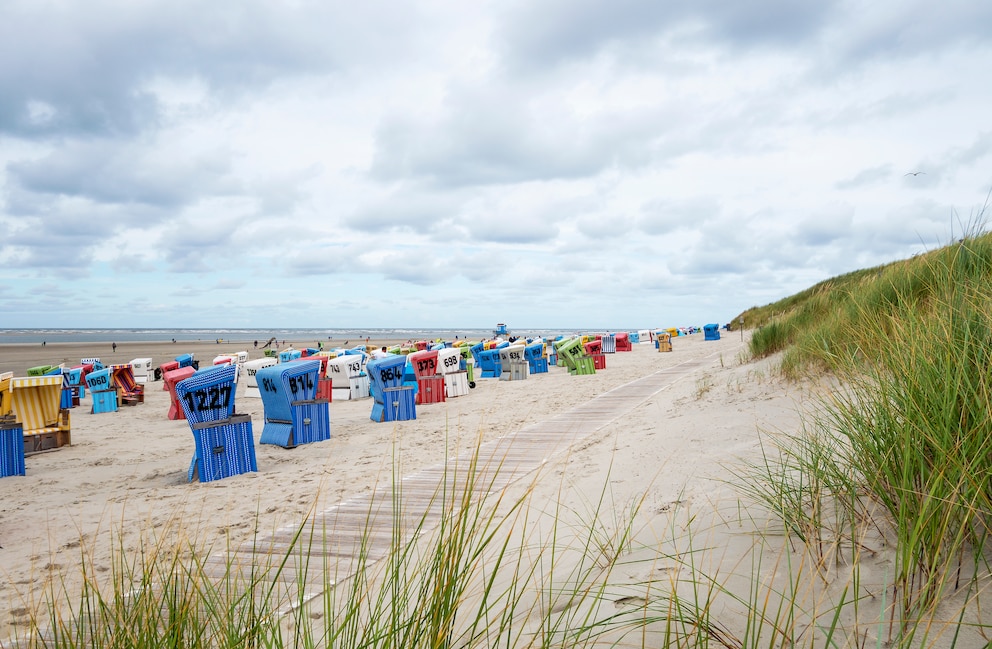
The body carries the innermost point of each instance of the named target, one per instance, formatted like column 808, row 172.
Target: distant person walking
column 114, row 347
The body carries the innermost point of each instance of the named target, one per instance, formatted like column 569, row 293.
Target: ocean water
column 38, row 336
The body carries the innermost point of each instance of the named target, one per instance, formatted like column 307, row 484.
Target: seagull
column 915, row 173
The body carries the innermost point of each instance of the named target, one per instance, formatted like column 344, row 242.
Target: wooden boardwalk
column 332, row 544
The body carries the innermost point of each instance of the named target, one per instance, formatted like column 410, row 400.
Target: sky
column 543, row 163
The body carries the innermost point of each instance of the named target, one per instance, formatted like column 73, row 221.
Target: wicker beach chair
column 293, row 413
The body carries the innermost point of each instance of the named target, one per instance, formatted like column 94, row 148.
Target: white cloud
column 551, row 163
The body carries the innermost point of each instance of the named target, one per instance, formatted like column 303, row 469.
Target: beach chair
column 76, row 383
column 348, row 377
column 534, row 355
column 92, row 363
column 489, row 364
column 430, row 383
column 164, row 369
column 594, row 349
column 392, row 400
column 142, row 370
column 624, row 341
column 663, row 341
column 185, row 360
column 251, row 370
column 290, row 354
column 608, row 343
column 129, row 391
column 35, row 405
column 102, row 392
column 11, row 448
column 6, row 401
column 223, row 444
column 573, row 355
column 69, row 398
column 171, row 380
column 293, row 413
column 455, row 378
column 513, row 365
column 711, row 332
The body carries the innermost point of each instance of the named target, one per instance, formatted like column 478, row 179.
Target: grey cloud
column 563, row 30
column 499, row 134
column 663, row 216
column 826, row 225
column 75, row 68
column 111, row 172
column 910, row 29
column 866, row 177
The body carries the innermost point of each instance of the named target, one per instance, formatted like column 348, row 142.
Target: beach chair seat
column 430, row 383
column 663, row 342
column 583, row 365
column 36, row 406
column 11, row 449
column 102, row 392
column 185, row 360
column 624, row 341
column 398, row 404
column 142, row 370
column 222, row 449
column 711, row 332
column 456, row 384
column 538, row 366
column 294, row 414
column 129, row 391
column 164, row 369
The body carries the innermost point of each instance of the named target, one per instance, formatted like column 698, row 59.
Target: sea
column 38, row 336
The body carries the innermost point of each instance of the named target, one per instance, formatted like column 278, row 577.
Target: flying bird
column 915, row 173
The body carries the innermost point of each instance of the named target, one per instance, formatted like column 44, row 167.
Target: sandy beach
column 125, row 474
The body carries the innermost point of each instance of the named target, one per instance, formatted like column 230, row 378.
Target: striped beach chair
column 293, row 413
column 223, row 444
column 393, row 401
column 36, row 402
column 129, row 391
column 11, row 448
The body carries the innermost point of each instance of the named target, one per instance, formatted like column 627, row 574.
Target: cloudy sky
column 544, row 163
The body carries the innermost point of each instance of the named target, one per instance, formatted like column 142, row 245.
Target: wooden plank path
column 332, row 544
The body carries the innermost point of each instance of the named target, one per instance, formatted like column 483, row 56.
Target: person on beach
column 380, row 353
column 114, row 347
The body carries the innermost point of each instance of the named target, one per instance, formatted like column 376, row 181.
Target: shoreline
column 18, row 357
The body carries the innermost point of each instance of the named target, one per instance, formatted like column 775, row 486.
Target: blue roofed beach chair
column 102, row 391
column 293, row 413
column 711, row 332
column 223, row 445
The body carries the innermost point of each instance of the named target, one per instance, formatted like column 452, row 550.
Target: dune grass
column 900, row 454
